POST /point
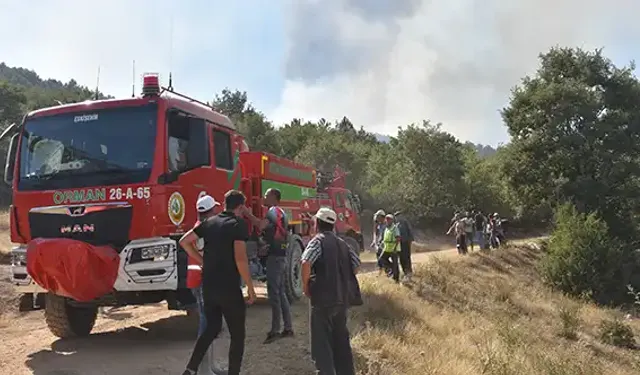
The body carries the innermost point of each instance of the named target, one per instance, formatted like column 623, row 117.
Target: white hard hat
column 327, row 215
column 206, row 203
column 389, row 216
column 379, row 213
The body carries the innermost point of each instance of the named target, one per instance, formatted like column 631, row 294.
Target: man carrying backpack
column 276, row 235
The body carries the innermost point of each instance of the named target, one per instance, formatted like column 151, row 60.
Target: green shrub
column 584, row 260
column 617, row 333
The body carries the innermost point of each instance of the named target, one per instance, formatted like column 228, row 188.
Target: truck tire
column 26, row 302
column 65, row 320
column 293, row 270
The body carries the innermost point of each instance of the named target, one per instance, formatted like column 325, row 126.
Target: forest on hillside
column 574, row 151
column 573, row 127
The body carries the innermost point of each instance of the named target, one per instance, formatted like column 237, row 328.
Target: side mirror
column 11, row 159
column 167, row 178
column 9, row 130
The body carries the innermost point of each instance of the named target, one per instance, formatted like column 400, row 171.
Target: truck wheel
column 65, row 320
column 293, row 273
column 26, row 302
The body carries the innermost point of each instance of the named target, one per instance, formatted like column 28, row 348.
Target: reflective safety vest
column 389, row 240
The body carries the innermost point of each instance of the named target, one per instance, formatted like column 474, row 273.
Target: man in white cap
column 329, row 266
column 205, row 206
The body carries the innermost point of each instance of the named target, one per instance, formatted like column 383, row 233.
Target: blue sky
column 382, row 63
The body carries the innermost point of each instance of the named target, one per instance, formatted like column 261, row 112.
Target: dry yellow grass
column 5, row 240
column 485, row 314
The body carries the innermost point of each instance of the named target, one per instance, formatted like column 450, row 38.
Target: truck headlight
column 160, row 252
column 18, row 258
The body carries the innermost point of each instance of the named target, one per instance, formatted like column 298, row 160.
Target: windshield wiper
column 75, row 172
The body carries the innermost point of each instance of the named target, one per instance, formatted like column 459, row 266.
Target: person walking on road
column 391, row 247
column 329, row 266
column 468, row 229
column 276, row 235
column 406, row 239
column 479, row 223
column 461, row 241
column 205, row 207
column 378, row 232
column 224, row 263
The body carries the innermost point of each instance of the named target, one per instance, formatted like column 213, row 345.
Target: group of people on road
column 217, row 244
column 392, row 239
column 474, row 228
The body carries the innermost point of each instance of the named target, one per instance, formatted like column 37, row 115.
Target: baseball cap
column 389, row 216
column 206, row 203
column 327, row 215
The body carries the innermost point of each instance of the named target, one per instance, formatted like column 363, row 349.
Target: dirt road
column 149, row 340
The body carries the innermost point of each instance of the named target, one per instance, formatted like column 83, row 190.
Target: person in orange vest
column 206, row 208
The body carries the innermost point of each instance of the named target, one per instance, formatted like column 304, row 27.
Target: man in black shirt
column 225, row 261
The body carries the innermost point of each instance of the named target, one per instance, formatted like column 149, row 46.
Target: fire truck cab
column 103, row 190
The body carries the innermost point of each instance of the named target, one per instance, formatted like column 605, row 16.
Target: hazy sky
column 382, row 63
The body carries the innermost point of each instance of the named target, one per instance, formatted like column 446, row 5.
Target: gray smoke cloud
column 387, row 63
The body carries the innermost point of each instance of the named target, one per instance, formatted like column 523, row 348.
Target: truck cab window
column 188, row 142
column 222, row 149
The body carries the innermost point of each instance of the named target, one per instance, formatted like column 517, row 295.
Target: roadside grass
column 5, row 238
column 486, row 314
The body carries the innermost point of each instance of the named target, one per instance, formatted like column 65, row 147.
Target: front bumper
column 134, row 275
column 20, row 278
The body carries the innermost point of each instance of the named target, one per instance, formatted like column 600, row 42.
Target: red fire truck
column 102, row 191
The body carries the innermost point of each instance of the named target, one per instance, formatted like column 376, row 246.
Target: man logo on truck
column 77, row 228
column 76, row 211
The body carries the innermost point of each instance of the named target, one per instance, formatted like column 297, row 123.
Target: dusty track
column 150, row 340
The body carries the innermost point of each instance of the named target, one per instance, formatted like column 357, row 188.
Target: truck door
column 339, row 208
column 351, row 212
column 189, row 167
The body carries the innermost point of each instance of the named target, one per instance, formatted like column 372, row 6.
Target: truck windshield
column 82, row 149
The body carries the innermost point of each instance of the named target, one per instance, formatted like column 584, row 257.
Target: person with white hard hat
column 329, row 266
column 378, row 231
column 205, row 207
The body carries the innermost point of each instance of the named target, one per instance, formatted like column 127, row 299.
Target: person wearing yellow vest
column 391, row 247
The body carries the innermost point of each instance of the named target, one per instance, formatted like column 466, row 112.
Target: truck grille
column 97, row 224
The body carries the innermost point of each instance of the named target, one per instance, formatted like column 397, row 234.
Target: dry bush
column 485, row 314
column 616, row 332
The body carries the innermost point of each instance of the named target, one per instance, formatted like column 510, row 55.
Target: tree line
column 574, row 128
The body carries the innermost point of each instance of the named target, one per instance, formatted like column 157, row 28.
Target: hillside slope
column 486, row 314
